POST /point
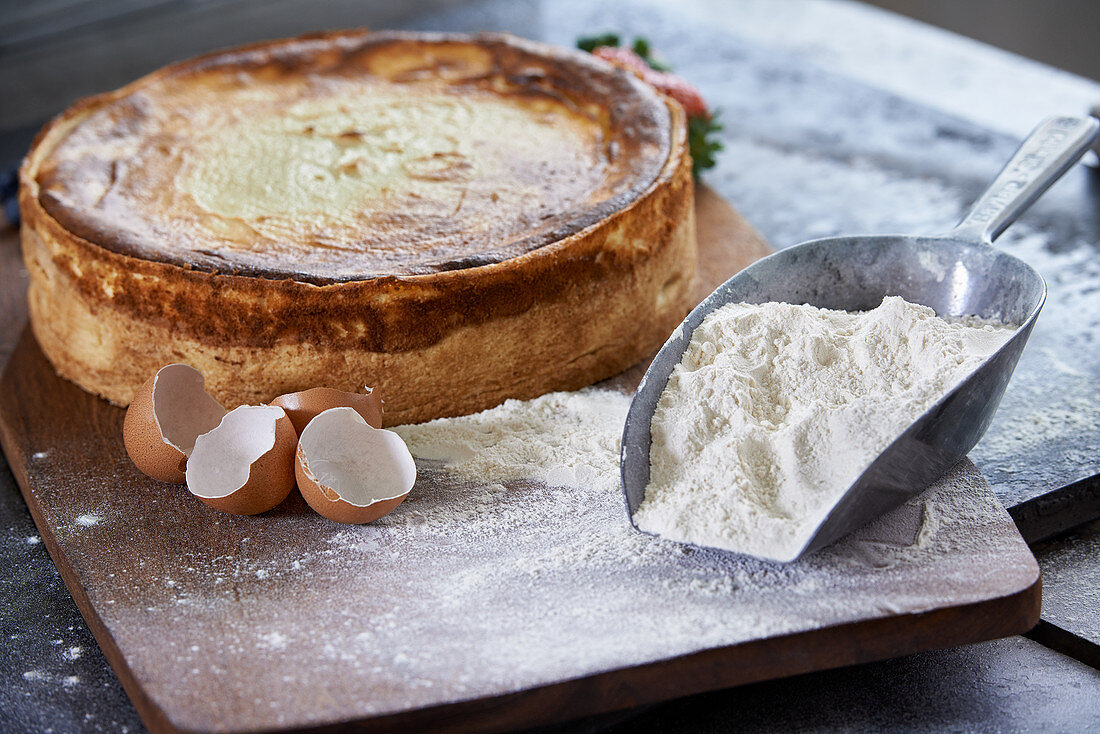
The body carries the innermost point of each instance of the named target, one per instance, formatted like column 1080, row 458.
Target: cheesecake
column 451, row 219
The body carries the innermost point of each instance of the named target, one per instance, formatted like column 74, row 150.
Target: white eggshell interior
column 182, row 408
column 357, row 461
column 223, row 457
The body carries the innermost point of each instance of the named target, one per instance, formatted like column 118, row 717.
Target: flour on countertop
column 776, row 409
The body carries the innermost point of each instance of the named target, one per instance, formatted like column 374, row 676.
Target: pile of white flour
column 776, row 409
column 564, row 439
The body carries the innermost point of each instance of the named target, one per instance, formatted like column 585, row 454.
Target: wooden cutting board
column 472, row 607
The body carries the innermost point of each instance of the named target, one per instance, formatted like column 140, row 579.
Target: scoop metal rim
column 637, row 430
column 1051, row 150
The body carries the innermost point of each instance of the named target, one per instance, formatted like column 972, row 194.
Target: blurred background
column 54, row 51
column 1061, row 33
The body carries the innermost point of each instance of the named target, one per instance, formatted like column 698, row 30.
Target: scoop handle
column 1048, row 152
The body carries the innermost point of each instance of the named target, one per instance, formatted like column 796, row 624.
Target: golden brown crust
column 340, row 158
column 559, row 316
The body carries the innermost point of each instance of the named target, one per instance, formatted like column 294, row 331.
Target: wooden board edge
column 709, row 670
column 151, row 715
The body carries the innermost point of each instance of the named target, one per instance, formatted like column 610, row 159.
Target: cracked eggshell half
column 167, row 414
column 350, row 471
column 304, row 406
column 245, row 466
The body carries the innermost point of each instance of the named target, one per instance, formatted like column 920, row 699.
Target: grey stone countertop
column 839, row 119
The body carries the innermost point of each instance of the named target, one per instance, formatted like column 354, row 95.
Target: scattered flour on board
column 526, row 464
column 776, row 409
column 562, row 447
column 513, row 563
column 563, row 439
column 273, row 640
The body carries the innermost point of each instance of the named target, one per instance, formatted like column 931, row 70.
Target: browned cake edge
column 560, row 317
column 632, row 109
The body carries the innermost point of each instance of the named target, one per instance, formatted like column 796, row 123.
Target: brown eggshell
column 304, row 406
column 165, row 417
column 245, row 466
column 358, row 472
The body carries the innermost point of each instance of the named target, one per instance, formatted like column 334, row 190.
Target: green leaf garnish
column 591, row 43
column 703, row 142
column 642, row 48
column 702, row 130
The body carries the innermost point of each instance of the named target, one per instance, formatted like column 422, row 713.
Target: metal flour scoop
column 957, row 274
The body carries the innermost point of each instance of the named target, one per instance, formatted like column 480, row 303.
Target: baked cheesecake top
column 355, row 155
